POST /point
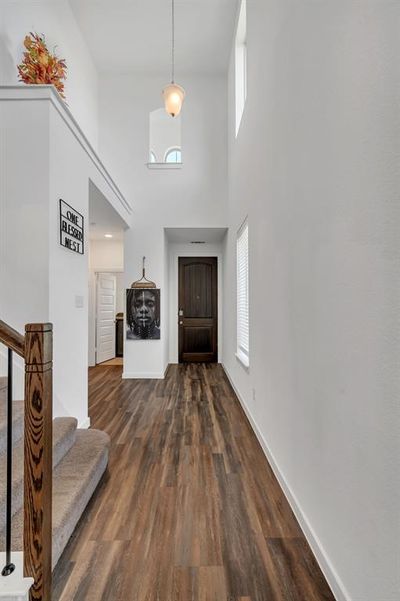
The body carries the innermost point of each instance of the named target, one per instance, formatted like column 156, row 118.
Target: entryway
column 109, row 317
column 106, row 282
column 195, row 293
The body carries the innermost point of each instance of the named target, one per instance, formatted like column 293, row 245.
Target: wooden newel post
column 38, row 447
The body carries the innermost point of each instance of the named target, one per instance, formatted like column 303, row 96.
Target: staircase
column 80, row 458
column 49, row 469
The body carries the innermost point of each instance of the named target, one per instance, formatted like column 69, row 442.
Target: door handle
column 180, row 313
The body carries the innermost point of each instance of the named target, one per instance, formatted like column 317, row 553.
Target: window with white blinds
column 242, row 258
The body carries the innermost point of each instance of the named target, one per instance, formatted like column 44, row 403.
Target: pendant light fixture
column 173, row 93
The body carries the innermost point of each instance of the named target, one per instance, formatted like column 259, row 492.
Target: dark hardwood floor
column 189, row 509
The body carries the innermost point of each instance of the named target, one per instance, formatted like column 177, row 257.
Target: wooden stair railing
column 36, row 348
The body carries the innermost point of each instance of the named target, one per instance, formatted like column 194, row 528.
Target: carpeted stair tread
column 88, row 459
column 64, row 433
column 74, row 482
column 64, row 436
column 18, row 422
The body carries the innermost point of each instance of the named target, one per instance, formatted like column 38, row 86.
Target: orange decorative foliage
column 40, row 66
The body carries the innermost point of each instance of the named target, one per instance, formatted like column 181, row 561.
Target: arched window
column 173, row 155
column 152, row 157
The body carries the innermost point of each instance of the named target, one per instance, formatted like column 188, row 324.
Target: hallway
column 189, row 509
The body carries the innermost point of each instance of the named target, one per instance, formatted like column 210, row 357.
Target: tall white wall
column 24, row 244
column 316, row 169
column 68, row 274
column 24, row 192
column 56, row 21
column 194, row 196
column 43, row 158
column 197, row 192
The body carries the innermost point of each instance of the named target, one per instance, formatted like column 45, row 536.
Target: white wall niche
column 164, row 140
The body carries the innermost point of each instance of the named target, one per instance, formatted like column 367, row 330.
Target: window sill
column 243, row 360
column 164, row 165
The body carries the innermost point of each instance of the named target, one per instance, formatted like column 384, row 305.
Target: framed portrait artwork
column 143, row 314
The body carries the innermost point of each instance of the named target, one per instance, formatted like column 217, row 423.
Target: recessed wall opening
column 106, row 282
column 165, row 146
column 195, row 269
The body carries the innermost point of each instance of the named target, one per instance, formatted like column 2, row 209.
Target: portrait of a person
column 143, row 314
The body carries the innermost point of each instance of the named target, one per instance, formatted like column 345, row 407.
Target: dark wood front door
column 198, row 309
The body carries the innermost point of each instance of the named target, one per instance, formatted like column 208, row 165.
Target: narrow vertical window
column 242, row 258
column 240, row 65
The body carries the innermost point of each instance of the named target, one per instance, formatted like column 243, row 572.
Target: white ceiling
column 103, row 218
column 135, row 35
column 184, row 235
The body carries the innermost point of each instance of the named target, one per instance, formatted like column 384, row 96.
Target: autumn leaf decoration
column 39, row 66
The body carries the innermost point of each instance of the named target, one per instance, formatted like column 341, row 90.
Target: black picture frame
column 73, row 240
column 143, row 314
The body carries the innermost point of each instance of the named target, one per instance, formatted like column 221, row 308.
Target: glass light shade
column 173, row 98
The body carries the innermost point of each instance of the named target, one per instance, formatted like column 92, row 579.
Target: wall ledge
column 49, row 93
column 164, row 165
column 320, row 554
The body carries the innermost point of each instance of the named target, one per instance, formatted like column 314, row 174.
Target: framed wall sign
column 71, row 228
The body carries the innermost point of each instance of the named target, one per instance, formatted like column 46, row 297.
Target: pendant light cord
column 173, row 41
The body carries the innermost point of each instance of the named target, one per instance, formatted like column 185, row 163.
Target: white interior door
column 105, row 314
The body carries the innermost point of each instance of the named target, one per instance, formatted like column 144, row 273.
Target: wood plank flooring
column 189, row 509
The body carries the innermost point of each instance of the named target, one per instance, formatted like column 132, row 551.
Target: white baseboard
column 15, row 587
column 128, row 375
column 322, row 558
column 142, row 375
column 84, row 424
